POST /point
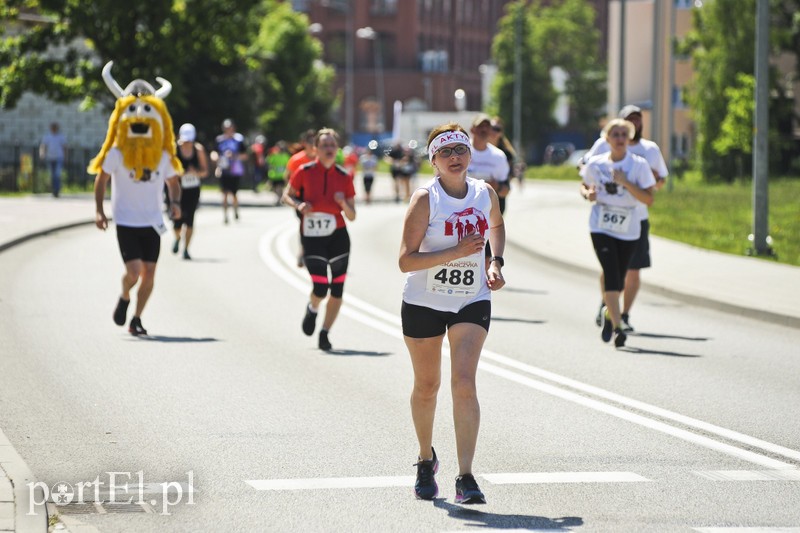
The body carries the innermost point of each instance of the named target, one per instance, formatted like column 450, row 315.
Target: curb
column 20, row 475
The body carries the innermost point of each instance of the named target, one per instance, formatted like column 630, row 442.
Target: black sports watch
column 499, row 259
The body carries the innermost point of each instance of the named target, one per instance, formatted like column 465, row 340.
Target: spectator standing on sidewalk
column 53, row 151
column 616, row 181
column 641, row 255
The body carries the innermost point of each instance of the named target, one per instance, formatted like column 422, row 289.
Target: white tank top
column 456, row 284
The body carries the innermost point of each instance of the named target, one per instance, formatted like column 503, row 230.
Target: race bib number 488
column 459, row 278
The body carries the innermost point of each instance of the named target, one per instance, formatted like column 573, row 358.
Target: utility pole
column 621, row 93
column 760, row 238
column 518, row 81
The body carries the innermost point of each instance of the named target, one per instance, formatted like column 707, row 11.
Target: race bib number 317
column 318, row 224
column 459, row 278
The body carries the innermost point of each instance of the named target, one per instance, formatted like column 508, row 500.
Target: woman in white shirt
column 616, row 181
column 448, row 290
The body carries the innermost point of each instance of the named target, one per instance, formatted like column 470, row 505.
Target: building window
column 383, row 7
column 434, row 61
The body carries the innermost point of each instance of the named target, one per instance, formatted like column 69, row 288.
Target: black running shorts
column 138, row 243
column 423, row 322
column 641, row 254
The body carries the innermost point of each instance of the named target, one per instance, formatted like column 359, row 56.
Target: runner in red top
column 327, row 194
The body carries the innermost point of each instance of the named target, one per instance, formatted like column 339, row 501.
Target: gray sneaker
column 626, row 326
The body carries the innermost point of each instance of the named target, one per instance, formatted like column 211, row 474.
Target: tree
column 515, row 34
column 205, row 48
column 565, row 35
column 721, row 44
column 289, row 83
column 736, row 131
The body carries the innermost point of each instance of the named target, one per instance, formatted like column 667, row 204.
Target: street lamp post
column 369, row 34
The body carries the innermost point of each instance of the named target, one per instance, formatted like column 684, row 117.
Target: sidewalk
column 548, row 220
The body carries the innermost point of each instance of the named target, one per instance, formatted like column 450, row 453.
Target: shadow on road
column 663, row 336
column 358, row 352
column 476, row 518
column 525, row 291
column 521, row 320
column 632, row 349
column 163, row 338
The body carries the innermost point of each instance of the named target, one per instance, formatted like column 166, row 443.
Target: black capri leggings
column 190, row 197
column 318, row 253
column 614, row 256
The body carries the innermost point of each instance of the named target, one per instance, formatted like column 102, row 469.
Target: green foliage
column 561, row 34
column 214, row 52
column 515, row 34
column 290, row 85
column 721, row 44
column 736, row 133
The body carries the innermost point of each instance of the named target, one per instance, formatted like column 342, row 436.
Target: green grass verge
column 720, row 216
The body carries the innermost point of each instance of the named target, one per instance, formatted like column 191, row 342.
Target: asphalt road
column 692, row 426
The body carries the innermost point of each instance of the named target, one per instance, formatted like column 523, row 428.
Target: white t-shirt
column 614, row 213
column 456, row 284
column 644, row 148
column 489, row 165
column 137, row 204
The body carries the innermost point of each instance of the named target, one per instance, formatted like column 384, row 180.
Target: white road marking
column 750, row 475
column 333, row 483
column 748, row 529
column 530, row 478
column 563, row 477
column 390, row 325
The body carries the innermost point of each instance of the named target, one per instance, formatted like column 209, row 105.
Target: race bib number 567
column 456, row 278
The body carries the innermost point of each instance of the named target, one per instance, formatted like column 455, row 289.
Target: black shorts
column 368, row 179
column 614, row 256
column 138, row 243
column 423, row 322
column 229, row 183
column 641, row 254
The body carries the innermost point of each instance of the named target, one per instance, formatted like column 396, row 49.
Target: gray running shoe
column 626, row 326
column 599, row 318
column 606, row 325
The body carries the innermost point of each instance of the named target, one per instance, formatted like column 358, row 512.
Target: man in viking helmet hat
column 138, row 157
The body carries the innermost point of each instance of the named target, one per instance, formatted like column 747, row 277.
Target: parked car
column 557, row 153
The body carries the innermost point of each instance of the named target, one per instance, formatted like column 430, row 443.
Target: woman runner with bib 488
column 616, row 182
column 448, row 290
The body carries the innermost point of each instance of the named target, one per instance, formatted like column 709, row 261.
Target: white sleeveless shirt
column 455, row 284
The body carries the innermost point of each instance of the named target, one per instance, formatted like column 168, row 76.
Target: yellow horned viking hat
column 140, row 126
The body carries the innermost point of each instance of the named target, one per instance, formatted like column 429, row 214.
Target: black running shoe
column 426, row 488
column 309, row 322
column 324, row 343
column 467, row 490
column 121, row 312
column 619, row 337
column 606, row 325
column 176, row 246
column 136, row 327
column 186, row 255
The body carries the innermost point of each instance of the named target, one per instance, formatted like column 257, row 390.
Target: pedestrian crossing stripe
column 750, row 475
column 521, row 478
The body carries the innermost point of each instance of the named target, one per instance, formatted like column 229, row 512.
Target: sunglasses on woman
column 460, row 149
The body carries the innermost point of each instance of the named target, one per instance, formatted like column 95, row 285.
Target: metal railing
column 22, row 170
